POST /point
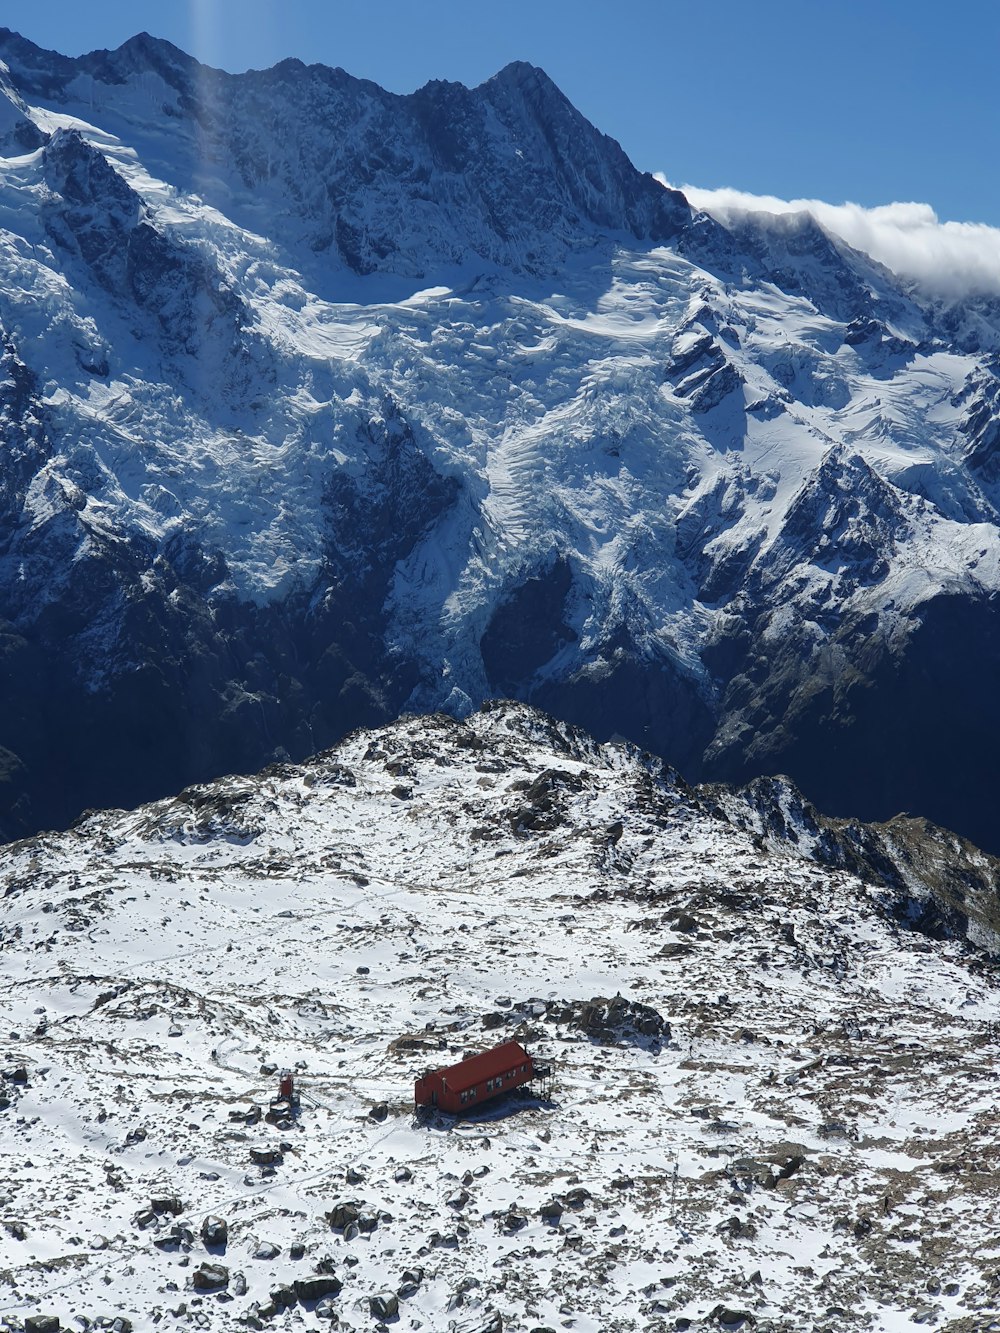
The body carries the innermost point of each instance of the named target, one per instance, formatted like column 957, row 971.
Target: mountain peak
column 508, row 174
column 524, row 74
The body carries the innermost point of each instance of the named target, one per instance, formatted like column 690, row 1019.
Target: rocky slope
column 320, row 405
column 773, row 1096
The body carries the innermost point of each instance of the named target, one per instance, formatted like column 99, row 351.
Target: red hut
column 475, row 1080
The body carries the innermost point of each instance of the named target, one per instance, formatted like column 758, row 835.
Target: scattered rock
column 611, row 1021
column 41, row 1323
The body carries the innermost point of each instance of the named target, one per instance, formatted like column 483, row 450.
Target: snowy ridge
column 769, row 1097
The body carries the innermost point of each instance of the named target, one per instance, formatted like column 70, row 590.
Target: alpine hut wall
column 462, row 1086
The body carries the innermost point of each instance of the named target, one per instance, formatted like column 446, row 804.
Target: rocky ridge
column 773, row 1096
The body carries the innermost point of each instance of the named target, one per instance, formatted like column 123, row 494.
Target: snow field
column 317, row 918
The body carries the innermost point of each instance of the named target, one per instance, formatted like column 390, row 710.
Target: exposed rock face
column 509, row 173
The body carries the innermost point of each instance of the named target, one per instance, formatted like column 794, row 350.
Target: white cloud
column 949, row 259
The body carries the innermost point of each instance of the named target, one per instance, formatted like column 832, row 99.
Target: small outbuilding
column 477, row 1079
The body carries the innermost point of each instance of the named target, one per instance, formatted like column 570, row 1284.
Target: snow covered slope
column 773, row 1101
column 320, row 405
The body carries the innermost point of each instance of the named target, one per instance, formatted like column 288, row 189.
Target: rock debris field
column 773, row 1105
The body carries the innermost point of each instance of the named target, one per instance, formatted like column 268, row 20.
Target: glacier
column 322, row 405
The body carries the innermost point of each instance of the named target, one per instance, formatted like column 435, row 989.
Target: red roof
column 478, row 1068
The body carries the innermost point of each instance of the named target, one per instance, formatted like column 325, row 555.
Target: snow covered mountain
column 774, row 1090
column 321, row 405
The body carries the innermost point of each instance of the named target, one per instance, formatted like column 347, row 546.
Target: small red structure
column 476, row 1080
column 286, row 1086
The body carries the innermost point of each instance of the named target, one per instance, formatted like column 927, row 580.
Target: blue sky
column 863, row 100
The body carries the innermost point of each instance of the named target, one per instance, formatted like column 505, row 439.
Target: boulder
column 753, row 1171
column 316, row 1287
column 168, row 1203
column 730, row 1317
column 177, row 1238
column 341, row 1215
column 210, row 1277
column 283, row 1296
column 737, row 1228
column 214, row 1231
column 384, row 1306
column 266, row 1156
column 41, row 1323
